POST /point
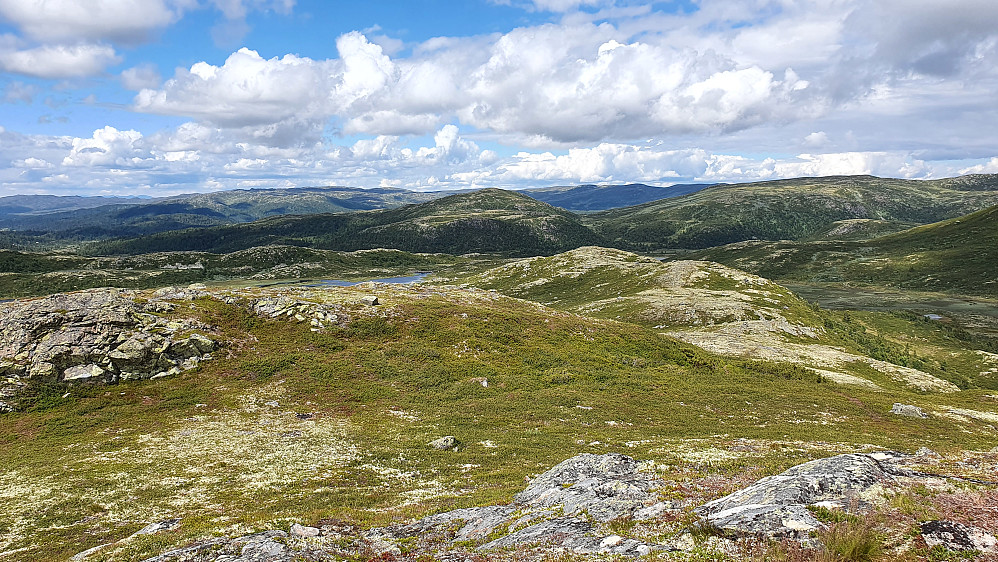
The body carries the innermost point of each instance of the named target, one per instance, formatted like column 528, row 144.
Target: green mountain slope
column 108, row 218
column 958, row 255
column 586, row 198
column 490, row 220
column 789, row 209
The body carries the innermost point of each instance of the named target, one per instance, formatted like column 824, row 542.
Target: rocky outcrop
column 572, row 507
column 777, row 506
column 562, row 508
column 101, row 335
column 318, row 315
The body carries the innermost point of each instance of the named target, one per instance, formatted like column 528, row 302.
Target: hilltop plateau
column 382, row 421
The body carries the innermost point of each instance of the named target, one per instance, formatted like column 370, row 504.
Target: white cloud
column 107, row 147
column 245, row 90
column 19, row 91
column 141, row 77
column 62, row 20
column 59, row 61
column 989, row 167
column 816, row 139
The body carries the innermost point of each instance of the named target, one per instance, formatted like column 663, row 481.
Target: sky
column 160, row 97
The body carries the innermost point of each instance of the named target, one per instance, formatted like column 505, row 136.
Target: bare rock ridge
column 101, row 335
column 567, row 509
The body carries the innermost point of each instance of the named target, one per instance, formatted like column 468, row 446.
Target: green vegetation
column 789, row 210
column 489, row 220
column 958, row 255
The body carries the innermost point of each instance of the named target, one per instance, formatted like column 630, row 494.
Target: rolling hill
column 789, row 209
column 958, row 255
column 489, row 220
column 588, row 197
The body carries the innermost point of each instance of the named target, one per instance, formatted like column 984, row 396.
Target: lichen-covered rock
column 908, row 411
column 560, row 508
column 318, row 315
column 776, row 506
column 958, row 537
column 101, row 335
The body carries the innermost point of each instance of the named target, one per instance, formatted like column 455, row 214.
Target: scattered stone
column 958, row 537
column 303, row 531
column 908, row 411
column 926, row 452
column 164, row 525
column 446, row 443
column 369, row 300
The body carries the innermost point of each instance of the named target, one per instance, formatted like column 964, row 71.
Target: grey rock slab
column 83, row 373
column 559, row 508
column 908, row 411
column 776, row 506
column 605, row 486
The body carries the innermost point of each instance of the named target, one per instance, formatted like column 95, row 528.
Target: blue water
column 399, row 280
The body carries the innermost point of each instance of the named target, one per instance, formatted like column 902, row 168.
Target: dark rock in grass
column 776, row 506
column 958, row 537
column 908, row 411
column 446, row 443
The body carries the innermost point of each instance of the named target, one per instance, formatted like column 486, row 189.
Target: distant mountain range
column 488, row 220
column 96, row 218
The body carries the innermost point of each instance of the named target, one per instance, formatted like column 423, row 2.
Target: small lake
column 397, row 280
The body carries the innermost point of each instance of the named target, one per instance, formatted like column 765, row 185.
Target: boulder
column 908, row 411
column 958, row 537
column 446, row 443
column 560, row 508
column 776, row 506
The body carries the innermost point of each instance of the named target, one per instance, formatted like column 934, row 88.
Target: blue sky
column 157, row 97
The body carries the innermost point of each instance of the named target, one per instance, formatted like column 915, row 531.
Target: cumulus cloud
column 62, row 20
column 59, row 61
column 107, row 147
column 564, row 84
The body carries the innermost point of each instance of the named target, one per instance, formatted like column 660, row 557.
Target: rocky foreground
column 574, row 507
column 103, row 335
